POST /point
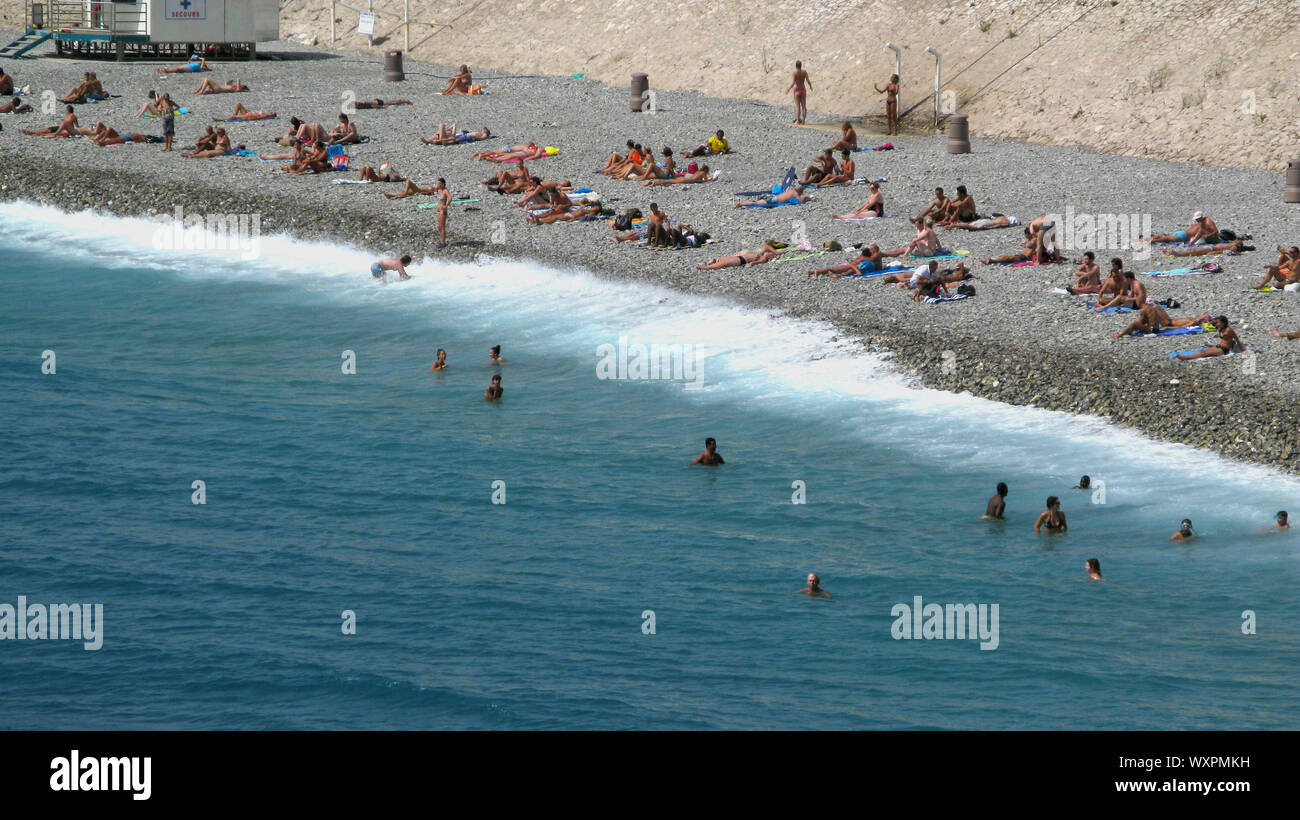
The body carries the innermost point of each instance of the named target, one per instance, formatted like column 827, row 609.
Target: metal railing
column 92, row 15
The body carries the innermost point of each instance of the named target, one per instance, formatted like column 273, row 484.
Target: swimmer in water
column 1085, row 483
column 494, row 353
column 1184, row 531
column 441, row 364
column 814, row 588
column 1094, row 569
column 1051, row 519
column 1280, row 518
column 998, row 503
column 709, row 457
column 494, row 390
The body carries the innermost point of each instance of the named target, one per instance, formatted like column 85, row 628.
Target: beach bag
column 965, row 290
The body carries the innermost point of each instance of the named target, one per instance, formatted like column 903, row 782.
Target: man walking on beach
column 800, row 83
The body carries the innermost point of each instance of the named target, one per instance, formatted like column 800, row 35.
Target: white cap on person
column 1198, row 216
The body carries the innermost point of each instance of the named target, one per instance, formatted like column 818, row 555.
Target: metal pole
column 332, row 37
column 898, row 69
column 406, row 25
column 370, row 38
column 938, row 67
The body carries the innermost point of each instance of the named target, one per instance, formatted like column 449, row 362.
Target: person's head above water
column 1053, row 502
column 710, row 444
column 814, row 581
column 1084, row 483
column 1280, row 518
column 1002, row 488
column 1186, row 526
column 1093, row 566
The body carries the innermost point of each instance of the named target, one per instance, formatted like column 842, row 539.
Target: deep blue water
column 371, row 492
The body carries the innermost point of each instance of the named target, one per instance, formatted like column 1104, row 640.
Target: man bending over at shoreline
column 1229, row 342
column 209, row 87
column 66, row 128
column 379, row 270
column 1153, row 319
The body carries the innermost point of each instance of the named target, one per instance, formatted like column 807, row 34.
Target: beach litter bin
column 958, row 135
column 640, row 85
column 393, row 66
column 1292, row 191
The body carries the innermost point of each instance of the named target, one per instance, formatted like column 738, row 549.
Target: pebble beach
column 1015, row 341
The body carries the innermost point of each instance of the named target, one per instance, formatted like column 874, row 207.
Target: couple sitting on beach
column 1285, row 272
column 824, row 172
column 90, row 89
column 956, row 212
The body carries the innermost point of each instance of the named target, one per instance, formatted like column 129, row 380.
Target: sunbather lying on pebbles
column 794, row 195
column 516, row 153
column 413, row 189
column 925, row 243
column 1229, row 342
column 1153, row 318
column 985, row 224
column 869, row 259
column 911, row 278
column 66, row 128
column 1277, row 334
column 15, row 106
column 692, row 177
column 195, row 64
column 385, row 173
column 1133, row 295
column 209, row 87
column 1202, row 231
column 570, row 214
column 1235, row 246
column 377, row 103
column 874, row 206
column 1035, row 250
column 242, row 114
column 454, row 136
column 743, row 259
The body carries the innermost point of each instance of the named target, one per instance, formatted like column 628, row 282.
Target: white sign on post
column 367, row 24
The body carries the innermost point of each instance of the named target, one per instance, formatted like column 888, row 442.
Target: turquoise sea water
column 372, row 492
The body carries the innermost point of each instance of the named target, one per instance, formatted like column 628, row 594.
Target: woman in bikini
column 764, row 254
column 1052, row 519
column 873, row 207
column 891, row 104
column 1229, row 342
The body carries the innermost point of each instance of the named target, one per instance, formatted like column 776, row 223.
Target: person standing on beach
column 998, row 503
column 891, row 104
column 800, row 82
column 710, row 456
column 167, row 110
column 444, row 202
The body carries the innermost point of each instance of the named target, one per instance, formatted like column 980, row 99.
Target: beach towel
column 880, row 272
column 339, row 161
column 944, row 253
column 1119, row 309
column 956, row 297
column 180, row 112
column 857, row 218
column 1173, row 331
column 772, row 204
column 886, row 147
column 350, row 181
column 243, row 152
column 1173, row 354
column 1206, row 268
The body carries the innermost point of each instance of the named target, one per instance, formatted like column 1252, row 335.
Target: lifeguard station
column 229, row 29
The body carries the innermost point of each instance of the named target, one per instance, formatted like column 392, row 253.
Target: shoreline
column 1014, row 343
column 1051, row 382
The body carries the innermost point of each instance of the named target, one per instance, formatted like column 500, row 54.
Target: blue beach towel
column 1175, row 331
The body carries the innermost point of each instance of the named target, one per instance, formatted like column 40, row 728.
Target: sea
column 234, row 450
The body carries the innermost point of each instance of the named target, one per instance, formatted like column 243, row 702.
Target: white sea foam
column 793, row 367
